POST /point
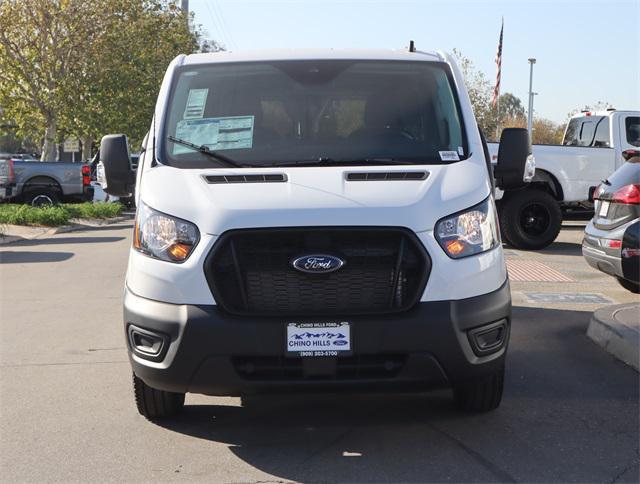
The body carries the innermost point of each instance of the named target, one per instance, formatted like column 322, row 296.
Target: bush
column 93, row 210
column 56, row 215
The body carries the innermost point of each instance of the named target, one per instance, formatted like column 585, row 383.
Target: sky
column 586, row 51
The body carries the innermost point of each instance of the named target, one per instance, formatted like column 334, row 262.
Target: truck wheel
column 156, row 404
column 39, row 197
column 530, row 219
column 481, row 395
column 629, row 285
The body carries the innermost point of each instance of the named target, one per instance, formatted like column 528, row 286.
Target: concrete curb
column 15, row 233
column 617, row 329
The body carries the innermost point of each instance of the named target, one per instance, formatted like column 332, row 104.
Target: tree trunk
column 50, row 148
column 87, row 142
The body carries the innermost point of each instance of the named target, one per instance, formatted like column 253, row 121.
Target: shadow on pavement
column 65, row 240
column 561, row 391
column 577, row 227
column 562, row 248
column 22, row 257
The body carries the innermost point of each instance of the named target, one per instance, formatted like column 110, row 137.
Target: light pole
column 184, row 6
column 530, row 117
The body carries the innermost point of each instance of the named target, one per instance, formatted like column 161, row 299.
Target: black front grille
column 251, row 272
column 278, row 368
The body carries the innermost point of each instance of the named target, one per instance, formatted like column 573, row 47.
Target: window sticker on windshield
column 229, row 133
column 460, row 150
column 195, row 103
column 449, row 156
column 235, row 133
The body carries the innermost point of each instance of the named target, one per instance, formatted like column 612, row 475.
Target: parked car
column 19, row 156
column 7, row 179
column 612, row 239
column 566, row 176
column 315, row 220
column 50, row 182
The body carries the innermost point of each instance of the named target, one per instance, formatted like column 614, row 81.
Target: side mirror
column 114, row 171
column 515, row 165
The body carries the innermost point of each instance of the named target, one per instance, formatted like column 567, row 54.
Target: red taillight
column 86, row 175
column 628, row 194
column 12, row 174
column 628, row 154
column 597, row 192
column 612, row 243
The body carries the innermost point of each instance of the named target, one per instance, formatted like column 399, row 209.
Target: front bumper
column 208, row 351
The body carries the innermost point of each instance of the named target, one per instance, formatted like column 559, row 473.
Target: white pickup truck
column 566, row 176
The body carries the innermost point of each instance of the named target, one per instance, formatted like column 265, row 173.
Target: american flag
column 496, row 90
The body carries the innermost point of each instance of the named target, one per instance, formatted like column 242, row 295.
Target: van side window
column 602, row 138
column 632, row 127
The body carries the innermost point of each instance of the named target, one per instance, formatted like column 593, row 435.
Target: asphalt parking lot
column 569, row 414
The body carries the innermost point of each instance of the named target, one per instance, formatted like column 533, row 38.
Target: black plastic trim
column 387, row 176
column 157, row 356
column 475, row 333
column 208, row 262
column 251, row 178
column 205, row 339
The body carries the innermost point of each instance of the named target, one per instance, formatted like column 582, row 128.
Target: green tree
column 123, row 68
column 85, row 68
column 510, row 107
column 41, row 42
column 546, row 132
column 480, row 92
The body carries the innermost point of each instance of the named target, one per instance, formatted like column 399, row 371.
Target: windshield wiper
column 203, row 149
column 322, row 161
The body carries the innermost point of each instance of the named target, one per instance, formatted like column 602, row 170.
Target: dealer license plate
column 318, row 339
column 604, row 208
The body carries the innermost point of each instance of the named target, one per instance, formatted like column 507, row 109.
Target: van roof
column 601, row 113
column 310, row 54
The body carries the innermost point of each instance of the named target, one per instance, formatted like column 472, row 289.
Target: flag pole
column 498, row 118
column 496, row 90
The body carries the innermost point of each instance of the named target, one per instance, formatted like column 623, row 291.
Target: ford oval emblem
column 317, row 264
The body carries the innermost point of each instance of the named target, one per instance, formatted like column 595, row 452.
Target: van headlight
column 469, row 232
column 162, row 236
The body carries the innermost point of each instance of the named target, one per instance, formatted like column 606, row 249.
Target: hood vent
column 387, row 175
column 262, row 178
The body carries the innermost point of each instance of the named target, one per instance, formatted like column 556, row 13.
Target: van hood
column 316, row 196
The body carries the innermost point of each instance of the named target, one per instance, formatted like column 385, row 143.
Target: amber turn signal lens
column 136, row 235
column 179, row 251
column 454, row 247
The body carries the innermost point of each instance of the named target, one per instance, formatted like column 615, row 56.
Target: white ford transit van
column 315, row 220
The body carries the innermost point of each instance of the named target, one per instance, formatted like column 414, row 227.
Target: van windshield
column 289, row 112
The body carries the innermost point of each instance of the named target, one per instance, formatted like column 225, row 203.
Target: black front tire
column 156, row 404
column 634, row 287
column 40, row 197
column 481, row 395
column 530, row 219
